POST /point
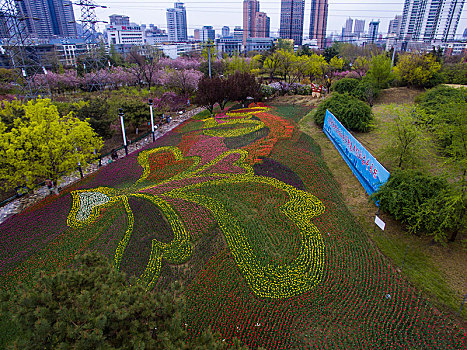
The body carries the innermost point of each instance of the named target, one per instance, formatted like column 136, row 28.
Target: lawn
column 242, row 209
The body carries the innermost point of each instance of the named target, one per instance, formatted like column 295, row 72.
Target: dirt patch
column 304, row 100
column 398, row 95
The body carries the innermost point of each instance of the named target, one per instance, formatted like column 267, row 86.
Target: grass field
column 242, row 209
column 438, row 270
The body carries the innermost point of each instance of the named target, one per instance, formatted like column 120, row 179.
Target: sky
column 218, row 13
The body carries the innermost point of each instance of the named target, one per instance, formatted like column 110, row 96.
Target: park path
column 39, row 193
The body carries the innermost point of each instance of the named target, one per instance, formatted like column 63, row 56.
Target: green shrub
column 352, row 113
column 455, row 73
column 423, row 202
column 363, row 89
column 366, row 91
column 434, row 99
column 345, row 85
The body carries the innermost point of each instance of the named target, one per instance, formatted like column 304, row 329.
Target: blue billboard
column 365, row 167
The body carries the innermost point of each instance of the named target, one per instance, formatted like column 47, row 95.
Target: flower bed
column 242, row 209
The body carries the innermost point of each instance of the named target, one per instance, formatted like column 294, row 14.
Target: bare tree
column 144, row 65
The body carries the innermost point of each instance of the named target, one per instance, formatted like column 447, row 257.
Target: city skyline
column 201, row 13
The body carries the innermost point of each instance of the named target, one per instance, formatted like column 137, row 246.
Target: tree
column 241, row 64
column 271, row 65
column 336, row 63
column 44, row 145
column 243, row 85
column 136, row 111
column 285, row 44
column 417, row 70
column 115, row 58
column 299, row 67
column 450, row 130
column 403, row 136
column 93, row 306
column 209, row 92
column 330, row 52
column 380, row 72
column 361, row 65
column 316, row 66
column 145, row 68
column 286, row 62
column 184, row 81
column 97, row 112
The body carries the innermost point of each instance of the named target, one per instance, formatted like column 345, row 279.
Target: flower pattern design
column 200, row 171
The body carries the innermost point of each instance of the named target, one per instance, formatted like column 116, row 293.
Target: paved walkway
column 19, row 204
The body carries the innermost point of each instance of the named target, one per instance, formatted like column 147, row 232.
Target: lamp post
column 152, row 119
column 121, row 115
column 209, row 45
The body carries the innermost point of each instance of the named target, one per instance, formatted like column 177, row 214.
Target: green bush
column 363, row 89
column 423, row 202
column 366, row 91
column 433, row 100
column 455, row 73
column 345, row 85
column 352, row 113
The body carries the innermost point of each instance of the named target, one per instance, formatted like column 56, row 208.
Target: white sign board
column 381, row 224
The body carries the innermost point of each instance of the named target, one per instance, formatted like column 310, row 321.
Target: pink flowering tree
column 183, row 82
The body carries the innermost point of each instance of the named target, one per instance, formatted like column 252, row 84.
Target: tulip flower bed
column 242, row 209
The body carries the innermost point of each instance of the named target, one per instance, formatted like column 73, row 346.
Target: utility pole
column 22, row 52
column 209, row 45
column 95, row 62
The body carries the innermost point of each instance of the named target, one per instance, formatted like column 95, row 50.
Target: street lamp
column 152, row 119
column 121, row 115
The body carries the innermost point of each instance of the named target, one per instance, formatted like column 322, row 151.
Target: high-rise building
column 196, row 34
column 250, row 8
column 373, row 31
column 395, row 25
column 176, row 23
column 430, row 20
column 291, row 22
column 119, row 20
column 359, row 27
column 348, row 25
column 207, row 33
column 347, row 30
column 225, row 31
column 47, row 19
column 263, row 24
column 318, row 21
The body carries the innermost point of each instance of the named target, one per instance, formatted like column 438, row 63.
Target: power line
column 20, row 49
